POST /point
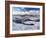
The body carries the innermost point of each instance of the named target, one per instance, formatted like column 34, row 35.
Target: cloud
column 31, row 12
column 28, row 11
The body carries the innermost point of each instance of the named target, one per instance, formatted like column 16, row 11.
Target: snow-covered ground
column 24, row 25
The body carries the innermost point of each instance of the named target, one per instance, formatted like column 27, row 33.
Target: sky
column 23, row 10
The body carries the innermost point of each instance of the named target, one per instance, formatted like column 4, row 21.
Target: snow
column 22, row 27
